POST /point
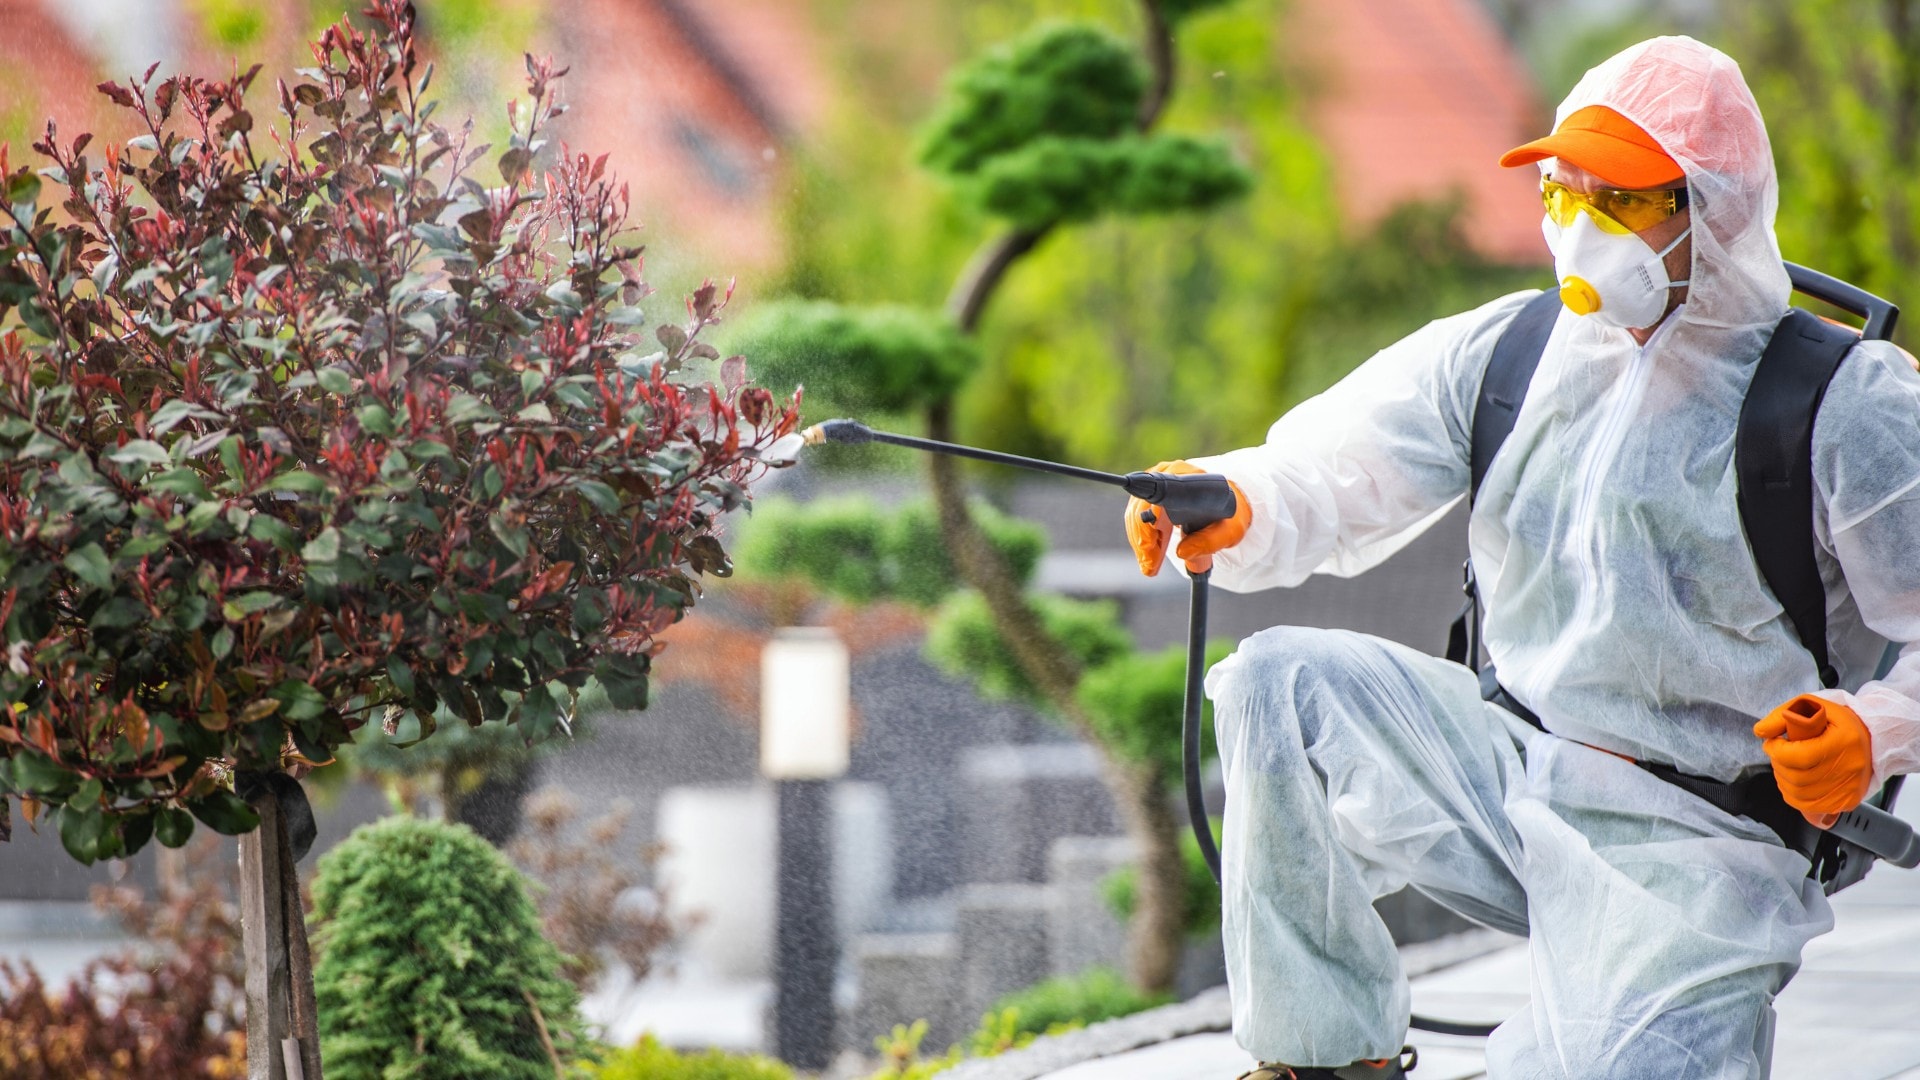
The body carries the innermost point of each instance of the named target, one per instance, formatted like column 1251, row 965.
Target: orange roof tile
column 1416, row 97
column 695, row 108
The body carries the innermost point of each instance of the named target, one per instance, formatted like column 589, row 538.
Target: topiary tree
column 1057, row 127
column 308, row 427
column 430, row 960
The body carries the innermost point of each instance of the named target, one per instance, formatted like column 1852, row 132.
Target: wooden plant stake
column 283, row 1039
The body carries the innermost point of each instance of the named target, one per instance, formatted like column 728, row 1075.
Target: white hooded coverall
column 1622, row 605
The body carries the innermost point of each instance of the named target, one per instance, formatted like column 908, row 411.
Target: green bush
column 857, row 551
column 1053, row 179
column 1135, row 702
column 885, row 358
column 900, row 1053
column 1175, row 11
column 1071, row 81
column 651, row 1061
column 430, row 961
column 1043, row 131
column 1066, row 1003
column 964, row 642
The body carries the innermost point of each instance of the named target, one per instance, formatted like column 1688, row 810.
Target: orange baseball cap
column 1606, row 144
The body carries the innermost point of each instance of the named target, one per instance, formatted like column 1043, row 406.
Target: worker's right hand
column 1148, row 528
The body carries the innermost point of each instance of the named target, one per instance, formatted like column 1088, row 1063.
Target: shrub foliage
column 430, row 960
column 1042, row 130
column 648, row 1060
column 304, row 425
column 1074, row 1001
column 884, row 358
column 170, row 1005
column 853, row 549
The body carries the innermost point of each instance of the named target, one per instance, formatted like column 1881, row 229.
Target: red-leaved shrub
column 304, row 426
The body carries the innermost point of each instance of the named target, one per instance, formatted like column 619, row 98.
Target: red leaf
column 120, row 95
column 704, row 299
column 40, row 736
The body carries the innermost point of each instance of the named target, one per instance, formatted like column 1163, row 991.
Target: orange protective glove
column 1822, row 756
column 1197, row 548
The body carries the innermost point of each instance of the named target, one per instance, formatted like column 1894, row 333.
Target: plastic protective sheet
column 1622, row 606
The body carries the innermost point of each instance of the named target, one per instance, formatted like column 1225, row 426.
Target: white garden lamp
column 805, row 687
column 804, row 690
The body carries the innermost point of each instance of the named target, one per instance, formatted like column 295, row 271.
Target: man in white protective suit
column 1623, row 609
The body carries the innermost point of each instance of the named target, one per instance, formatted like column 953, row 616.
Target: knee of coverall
column 1257, row 691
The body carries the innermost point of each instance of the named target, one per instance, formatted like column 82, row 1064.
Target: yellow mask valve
column 1580, row 297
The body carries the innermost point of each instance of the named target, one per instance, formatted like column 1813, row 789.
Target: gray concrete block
column 1082, row 931
column 1002, row 932
column 1019, row 799
column 903, row 978
column 1203, row 966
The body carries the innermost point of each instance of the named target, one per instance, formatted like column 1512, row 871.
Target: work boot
column 1393, row 1068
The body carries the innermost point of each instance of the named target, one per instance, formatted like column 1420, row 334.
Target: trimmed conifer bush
column 431, row 964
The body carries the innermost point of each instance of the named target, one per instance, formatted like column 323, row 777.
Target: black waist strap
column 1756, row 797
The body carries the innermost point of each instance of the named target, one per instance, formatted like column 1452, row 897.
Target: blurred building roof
column 44, row 73
column 1415, row 99
column 696, row 103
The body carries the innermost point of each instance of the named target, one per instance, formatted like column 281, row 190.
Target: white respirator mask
column 1612, row 277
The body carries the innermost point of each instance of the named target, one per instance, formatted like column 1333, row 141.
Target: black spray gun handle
column 1192, row 501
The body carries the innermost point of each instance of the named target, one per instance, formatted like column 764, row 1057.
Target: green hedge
column 651, row 1061
column 1074, row 1001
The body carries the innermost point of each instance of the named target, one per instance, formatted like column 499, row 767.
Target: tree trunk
column 1157, row 933
column 283, row 1038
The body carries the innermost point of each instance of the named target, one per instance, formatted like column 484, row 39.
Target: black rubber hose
column 1190, row 728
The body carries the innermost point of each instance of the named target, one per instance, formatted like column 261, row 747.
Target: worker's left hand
column 1822, row 756
column 1148, row 538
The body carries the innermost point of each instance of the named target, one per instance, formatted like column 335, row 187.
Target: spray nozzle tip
column 785, row 450
column 838, row 431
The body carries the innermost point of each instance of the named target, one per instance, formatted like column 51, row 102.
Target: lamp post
column 804, row 692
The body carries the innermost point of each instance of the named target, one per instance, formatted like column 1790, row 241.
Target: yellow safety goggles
column 1614, row 211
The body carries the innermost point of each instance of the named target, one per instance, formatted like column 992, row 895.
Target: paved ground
column 1853, row 1012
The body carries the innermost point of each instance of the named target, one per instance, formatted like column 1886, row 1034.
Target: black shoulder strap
column 1504, row 387
column 1773, row 463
